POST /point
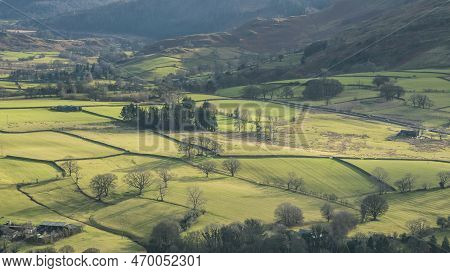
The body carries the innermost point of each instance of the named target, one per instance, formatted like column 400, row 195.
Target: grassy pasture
column 17, row 207
column 230, row 200
column 51, row 146
column 62, row 197
column 44, row 119
column 235, row 144
column 109, row 111
column 122, row 165
column 154, row 66
column 232, row 92
column 226, row 196
column 16, row 55
column 412, row 74
column 13, row 85
column 138, row 215
column 398, row 110
column 47, row 103
column 134, row 141
column 202, row 97
column 225, row 199
column 267, row 109
column 410, row 206
column 345, row 136
column 14, row 171
column 439, row 99
column 426, row 172
column 320, row 175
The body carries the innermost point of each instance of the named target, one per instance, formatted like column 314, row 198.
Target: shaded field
column 51, row 146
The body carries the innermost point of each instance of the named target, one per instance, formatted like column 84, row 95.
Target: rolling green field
column 426, row 172
column 410, row 206
column 225, row 196
column 306, row 144
column 62, row 197
column 154, row 67
column 128, row 215
column 109, row 111
column 45, row 119
column 122, row 165
column 267, row 109
column 25, row 171
column 13, row 85
column 133, row 141
column 17, row 207
column 320, row 175
column 47, row 103
column 51, row 146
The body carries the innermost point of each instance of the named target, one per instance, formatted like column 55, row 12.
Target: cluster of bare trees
column 266, row 130
column 231, row 166
column 199, row 146
column 406, row 183
column 420, row 101
column 145, row 180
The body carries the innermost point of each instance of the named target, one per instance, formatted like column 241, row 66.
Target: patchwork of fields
column 333, row 154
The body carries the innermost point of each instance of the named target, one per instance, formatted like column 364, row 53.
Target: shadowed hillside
column 169, row 18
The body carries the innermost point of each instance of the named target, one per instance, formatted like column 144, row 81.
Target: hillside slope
column 159, row 19
column 348, row 26
column 46, row 8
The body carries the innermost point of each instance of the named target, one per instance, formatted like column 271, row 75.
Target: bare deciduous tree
column 407, row 183
column 207, row 167
column 382, row 177
column 165, row 176
column 327, row 211
column 139, row 180
column 162, row 191
column 418, row 227
column 444, row 177
column 103, row 184
column 232, row 166
column 69, row 165
column 195, row 199
column 294, row 182
column 76, row 174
